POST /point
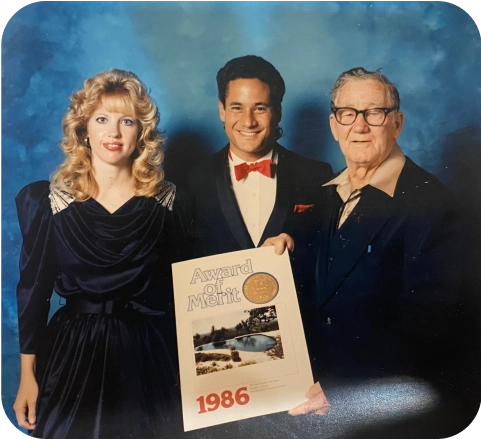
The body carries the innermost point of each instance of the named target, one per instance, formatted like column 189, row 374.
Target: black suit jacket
column 387, row 282
column 218, row 223
column 219, row 226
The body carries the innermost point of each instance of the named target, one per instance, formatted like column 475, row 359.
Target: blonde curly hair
column 125, row 93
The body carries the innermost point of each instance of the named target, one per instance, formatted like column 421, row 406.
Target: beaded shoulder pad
column 59, row 199
column 166, row 195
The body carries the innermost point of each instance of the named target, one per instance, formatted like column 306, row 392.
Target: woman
column 103, row 235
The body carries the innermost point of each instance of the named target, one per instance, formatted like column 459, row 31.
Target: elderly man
column 388, row 263
column 388, row 279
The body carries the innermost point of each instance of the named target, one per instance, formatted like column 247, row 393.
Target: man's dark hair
column 252, row 67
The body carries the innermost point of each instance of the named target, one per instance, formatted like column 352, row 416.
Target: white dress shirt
column 255, row 194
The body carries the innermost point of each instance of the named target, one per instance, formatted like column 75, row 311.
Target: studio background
column 430, row 50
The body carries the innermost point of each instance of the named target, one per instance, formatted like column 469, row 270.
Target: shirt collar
column 384, row 178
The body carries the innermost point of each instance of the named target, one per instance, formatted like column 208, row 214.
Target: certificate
column 242, row 350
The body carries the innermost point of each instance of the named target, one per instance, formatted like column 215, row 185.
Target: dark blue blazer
column 388, row 281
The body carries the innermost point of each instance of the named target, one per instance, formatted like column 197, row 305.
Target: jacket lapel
column 328, row 213
column 285, row 185
column 228, row 202
column 356, row 234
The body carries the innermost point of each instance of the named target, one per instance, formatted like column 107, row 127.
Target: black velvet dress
column 106, row 360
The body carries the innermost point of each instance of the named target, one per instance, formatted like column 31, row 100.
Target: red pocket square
column 303, row 207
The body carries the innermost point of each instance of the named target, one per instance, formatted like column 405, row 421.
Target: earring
column 86, row 141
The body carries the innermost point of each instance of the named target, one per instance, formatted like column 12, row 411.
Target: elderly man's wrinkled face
column 363, row 144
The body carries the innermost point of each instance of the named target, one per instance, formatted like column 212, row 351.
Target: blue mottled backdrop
column 431, row 50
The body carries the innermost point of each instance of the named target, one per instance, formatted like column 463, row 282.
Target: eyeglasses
column 372, row 116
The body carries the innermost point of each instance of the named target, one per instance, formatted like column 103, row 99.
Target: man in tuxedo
column 253, row 189
column 388, row 270
column 254, row 192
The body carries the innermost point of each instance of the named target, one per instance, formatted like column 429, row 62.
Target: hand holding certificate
column 242, row 350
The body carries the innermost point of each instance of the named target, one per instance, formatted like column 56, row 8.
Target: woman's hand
column 317, row 402
column 26, row 401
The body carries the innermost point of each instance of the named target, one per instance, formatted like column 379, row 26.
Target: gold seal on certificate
column 260, row 288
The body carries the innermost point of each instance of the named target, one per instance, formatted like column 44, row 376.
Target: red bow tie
column 264, row 167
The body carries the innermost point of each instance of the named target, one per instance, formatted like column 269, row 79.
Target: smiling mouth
column 248, row 133
column 112, row 146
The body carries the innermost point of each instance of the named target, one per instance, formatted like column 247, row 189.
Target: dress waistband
column 115, row 306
